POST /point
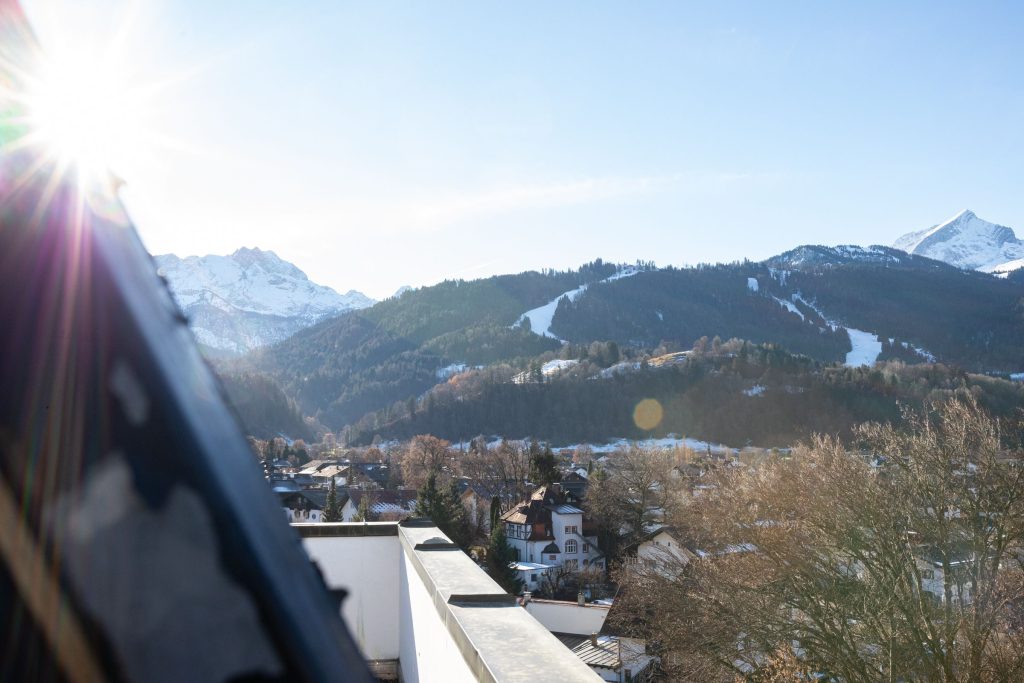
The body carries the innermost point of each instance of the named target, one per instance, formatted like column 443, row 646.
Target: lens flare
column 648, row 414
column 83, row 113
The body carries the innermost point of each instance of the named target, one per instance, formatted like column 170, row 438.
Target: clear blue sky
column 379, row 144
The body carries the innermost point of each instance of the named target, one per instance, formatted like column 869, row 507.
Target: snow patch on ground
column 1004, row 269
column 1017, row 376
column 619, row 369
column 554, row 367
column 665, row 443
column 927, row 355
column 779, row 274
column 755, row 390
column 789, row 306
column 752, row 284
column 541, row 317
column 450, row 370
column 866, row 347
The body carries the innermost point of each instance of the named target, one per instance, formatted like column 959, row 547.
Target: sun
column 83, row 112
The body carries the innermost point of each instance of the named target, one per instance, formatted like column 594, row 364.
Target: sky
column 380, row 144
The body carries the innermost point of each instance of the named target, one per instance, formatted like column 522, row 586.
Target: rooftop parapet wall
column 420, row 599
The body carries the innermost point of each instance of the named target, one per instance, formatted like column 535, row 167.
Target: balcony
column 421, row 610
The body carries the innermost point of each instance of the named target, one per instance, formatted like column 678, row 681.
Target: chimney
column 580, row 600
column 593, row 638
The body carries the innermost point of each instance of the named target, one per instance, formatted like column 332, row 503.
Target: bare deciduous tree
column 897, row 562
column 426, row 454
column 630, row 493
column 504, row 467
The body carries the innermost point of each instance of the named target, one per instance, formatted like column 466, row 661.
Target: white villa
column 549, row 529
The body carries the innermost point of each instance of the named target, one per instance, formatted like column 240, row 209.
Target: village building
column 550, row 529
column 582, row 627
column 304, row 505
column 383, row 505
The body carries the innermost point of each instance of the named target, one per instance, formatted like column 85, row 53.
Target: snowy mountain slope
column 541, row 318
column 968, row 242
column 819, row 256
column 250, row 298
column 865, row 348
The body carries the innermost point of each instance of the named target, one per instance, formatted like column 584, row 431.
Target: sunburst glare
column 83, row 113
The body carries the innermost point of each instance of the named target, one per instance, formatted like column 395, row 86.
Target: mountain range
column 967, row 241
column 250, row 298
column 386, row 369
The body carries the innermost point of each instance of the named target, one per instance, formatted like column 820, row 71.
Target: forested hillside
column 733, row 393
column 263, row 408
column 964, row 318
column 361, row 361
column 684, row 304
column 381, row 361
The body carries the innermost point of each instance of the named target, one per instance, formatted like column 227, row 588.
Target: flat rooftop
column 420, row 606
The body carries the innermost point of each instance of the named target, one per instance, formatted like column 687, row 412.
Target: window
column 552, row 557
column 572, row 565
column 586, row 547
column 570, row 546
column 586, row 563
column 927, row 573
column 517, row 554
column 533, row 578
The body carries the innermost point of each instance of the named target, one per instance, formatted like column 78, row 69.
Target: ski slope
column 866, row 347
column 541, row 317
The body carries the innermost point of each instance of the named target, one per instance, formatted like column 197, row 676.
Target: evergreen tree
column 495, row 512
column 363, row 512
column 543, row 467
column 430, row 502
column 332, row 511
column 458, row 526
column 444, row 508
column 500, row 557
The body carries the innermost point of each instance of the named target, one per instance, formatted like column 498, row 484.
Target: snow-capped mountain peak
column 249, row 298
column 966, row 241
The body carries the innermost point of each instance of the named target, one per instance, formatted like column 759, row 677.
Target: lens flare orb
column 648, row 414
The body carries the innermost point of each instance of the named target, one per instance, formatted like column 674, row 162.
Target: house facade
column 662, row 550
column 550, row 529
column 303, row 505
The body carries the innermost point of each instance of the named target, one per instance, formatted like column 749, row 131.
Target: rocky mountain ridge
column 250, row 298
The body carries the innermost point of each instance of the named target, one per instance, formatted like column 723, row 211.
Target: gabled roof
column 603, row 653
column 662, row 529
column 309, row 499
column 488, row 489
column 376, row 472
column 402, row 498
column 331, row 471
column 537, row 510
